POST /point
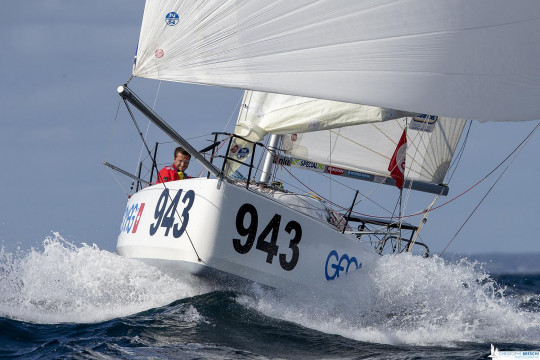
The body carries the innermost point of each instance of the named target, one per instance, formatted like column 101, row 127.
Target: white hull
column 235, row 232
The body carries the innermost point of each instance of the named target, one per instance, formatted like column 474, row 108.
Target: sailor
column 176, row 171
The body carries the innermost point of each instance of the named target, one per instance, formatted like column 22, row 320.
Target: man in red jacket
column 176, row 171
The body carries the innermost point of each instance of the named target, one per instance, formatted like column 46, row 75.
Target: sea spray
column 404, row 299
column 409, row 300
column 68, row 283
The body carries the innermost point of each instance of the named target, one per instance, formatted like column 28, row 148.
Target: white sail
column 431, row 142
column 346, row 139
column 458, row 58
column 264, row 113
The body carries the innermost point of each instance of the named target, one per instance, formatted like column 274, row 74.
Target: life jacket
column 171, row 173
column 182, row 175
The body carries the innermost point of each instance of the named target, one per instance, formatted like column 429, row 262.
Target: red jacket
column 171, row 173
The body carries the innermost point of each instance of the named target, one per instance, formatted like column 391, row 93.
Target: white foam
column 403, row 300
column 409, row 300
column 68, row 283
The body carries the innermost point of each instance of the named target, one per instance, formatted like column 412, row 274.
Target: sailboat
column 334, row 85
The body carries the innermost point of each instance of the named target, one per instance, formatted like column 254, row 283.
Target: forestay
column 458, row 58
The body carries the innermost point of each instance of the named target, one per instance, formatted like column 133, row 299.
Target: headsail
column 475, row 60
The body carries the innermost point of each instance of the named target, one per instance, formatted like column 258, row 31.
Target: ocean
column 80, row 302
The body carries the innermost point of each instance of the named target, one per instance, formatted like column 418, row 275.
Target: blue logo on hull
column 339, row 264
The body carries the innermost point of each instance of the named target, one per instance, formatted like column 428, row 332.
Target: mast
column 269, row 159
column 128, row 95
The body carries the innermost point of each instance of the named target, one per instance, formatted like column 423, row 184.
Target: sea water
column 77, row 301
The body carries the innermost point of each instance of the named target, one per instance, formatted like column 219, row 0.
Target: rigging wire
column 517, row 150
column 118, row 181
column 113, row 128
column 419, row 134
column 328, row 200
column 148, row 125
column 457, row 160
column 453, row 165
column 182, row 222
column 364, row 196
column 223, row 142
column 145, row 145
column 233, row 112
column 489, row 174
column 187, row 138
column 433, row 208
column 109, row 145
column 330, row 156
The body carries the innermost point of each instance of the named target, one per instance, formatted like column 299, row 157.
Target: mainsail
column 347, row 139
column 367, row 149
column 457, row 58
column 264, row 113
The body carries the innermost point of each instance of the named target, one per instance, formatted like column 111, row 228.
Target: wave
column 408, row 299
column 66, row 283
column 405, row 299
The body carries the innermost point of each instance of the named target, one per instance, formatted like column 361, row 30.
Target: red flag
column 397, row 163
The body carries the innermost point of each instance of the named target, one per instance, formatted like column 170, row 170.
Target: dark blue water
column 66, row 301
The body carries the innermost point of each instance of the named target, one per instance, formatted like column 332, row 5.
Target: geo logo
column 338, row 264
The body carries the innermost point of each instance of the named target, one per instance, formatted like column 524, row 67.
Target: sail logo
column 283, row 161
column 242, row 153
column 159, row 53
column 339, row 264
column 357, row 174
column 308, row 164
column 172, row 18
column 335, row 170
column 424, row 123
